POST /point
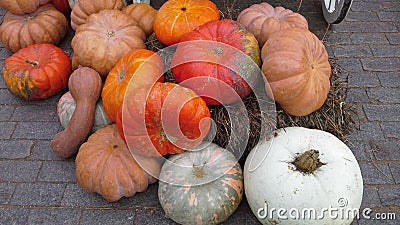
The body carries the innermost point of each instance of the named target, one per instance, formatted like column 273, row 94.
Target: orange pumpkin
column 176, row 18
column 295, row 63
column 104, row 39
column 263, row 20
column 104, row 165
column 84, row 8
column 143, row 14
column 45, row 25
column 163, row 119
column 21, row 7
column 144, row 63
column 37, row 72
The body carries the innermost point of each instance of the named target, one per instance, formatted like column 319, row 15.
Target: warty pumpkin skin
column 163, row 118
column 296, row 66
column 21, row 7
column 204, row 186
column 104, row 165
column 45, row 25
column 104, row 39
column 176, row 18
column 37, row 72
column 144, row 63
column 263, row 20
column 221, row 56
column 84, row 8
column 143, row 14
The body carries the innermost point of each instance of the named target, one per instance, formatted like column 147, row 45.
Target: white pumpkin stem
column 308, row 161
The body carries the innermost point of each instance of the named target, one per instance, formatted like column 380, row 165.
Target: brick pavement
column 36, row 187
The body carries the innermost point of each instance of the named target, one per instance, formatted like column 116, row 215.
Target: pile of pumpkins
column 128, row 128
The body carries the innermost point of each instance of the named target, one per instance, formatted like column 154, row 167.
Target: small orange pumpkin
column 104, row 165
column 295, row 63
column 176, row 18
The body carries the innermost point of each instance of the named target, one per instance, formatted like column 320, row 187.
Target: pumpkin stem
column 110, row 33
column 29, row 17
column 33, row 63
column 183, row 8
column 308, row 161
column 198, row 171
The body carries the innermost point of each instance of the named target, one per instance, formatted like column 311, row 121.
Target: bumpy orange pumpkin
column 37, row 72
column 164, row 119
column 143, row 14
column 144, row 63
column 104, row 165
column 219, row 61
column 263, row 20
column 295, row 63
column 21, row 7
column 104, row 39
column 176, row 18
column 84, row 8
column 45, row 25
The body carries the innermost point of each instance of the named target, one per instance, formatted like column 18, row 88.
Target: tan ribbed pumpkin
column 21, row 7
column 143, row 14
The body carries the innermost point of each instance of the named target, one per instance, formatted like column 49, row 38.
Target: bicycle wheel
column 335, row 10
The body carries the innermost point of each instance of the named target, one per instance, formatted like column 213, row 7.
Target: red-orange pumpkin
column 263, row 20
column 176, row 18
column 295, row 63
column 171, row 119
column 216, row 60
column 145, row 64
column 37, row 72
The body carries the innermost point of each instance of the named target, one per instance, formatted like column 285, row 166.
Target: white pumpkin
column 299, row 175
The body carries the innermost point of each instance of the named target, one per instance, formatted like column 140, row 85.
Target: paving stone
column 361, row 80
column 382, row 112
column 390, row 195
column 76, row 196
column 367, row 131
column 388, row 16
column 15, row 149
column 148, row 198
column 352, row 51
column 391, row 130
column 350, row 65
column 376, row 218
column 6, row 98
column 13, row 216
column 6, row 112
column 35, row 113
column 22, row 171
column 360, row 114
column 356, row 95
column 384, row 95
column 385, row 150
column 2, row 11
column 57, row 216
column 369, row 38
column 385, row 50
column 42, row 151
column 389, row 79
column 395, row 168
column 394, row 38
column 151, row 216
column 378, row 27
column 240, row 217
column 5, row 53
column 57, row 171
column 6, row 190
column 390, row 5
column 6, row 129
column 36, row 130
column 338, row 39
column 359, row 149
column 364, row 16
column 365, row 6
column 381, row 65
column 347, row 27
column 107, row 217
column 376, row 173
column 370, row 198
column 30, row 194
